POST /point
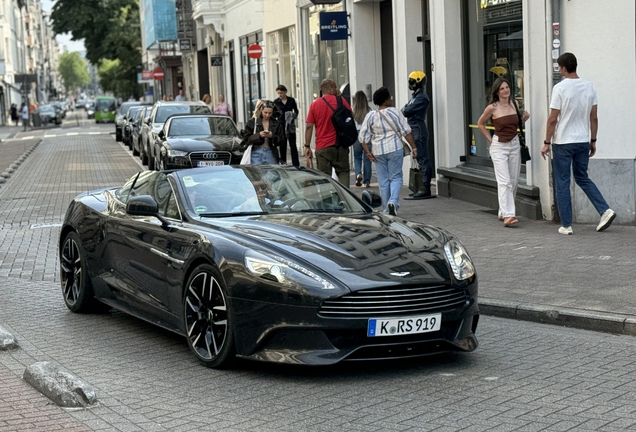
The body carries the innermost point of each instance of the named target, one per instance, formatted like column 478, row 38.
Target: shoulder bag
column 525, row 151
column 407, row 147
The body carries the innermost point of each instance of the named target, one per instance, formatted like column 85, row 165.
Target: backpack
column 343, row 123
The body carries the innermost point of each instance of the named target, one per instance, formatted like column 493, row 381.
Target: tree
column 111, row 31
column 73, row 71
column 111, row 78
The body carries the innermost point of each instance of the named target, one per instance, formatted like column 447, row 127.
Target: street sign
column 157, row 73
column 185, row 44
column 255, row 51
column 146, row 75
column 216, row 60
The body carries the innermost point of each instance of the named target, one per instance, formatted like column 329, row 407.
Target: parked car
column 48, row 115
column 119, row 117
column 129, row 119
column 189, row 141
column 105, row 109
column 80, row 104
column 136, row 132
column 90, row 109
column 160, row 112
column 270, row 263
column 60, row 108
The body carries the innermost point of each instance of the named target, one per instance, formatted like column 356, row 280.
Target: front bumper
column 298, row 335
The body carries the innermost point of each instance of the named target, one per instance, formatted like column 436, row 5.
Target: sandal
column 509, row 221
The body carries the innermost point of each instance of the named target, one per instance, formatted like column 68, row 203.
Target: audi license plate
column 210, row 163
column 404, row 326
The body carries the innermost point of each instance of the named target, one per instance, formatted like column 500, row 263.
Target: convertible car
column 270, row 263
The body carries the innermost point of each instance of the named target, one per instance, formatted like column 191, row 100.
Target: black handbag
column 525, row 151
column 415, row 177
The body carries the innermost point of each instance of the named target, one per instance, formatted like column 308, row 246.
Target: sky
column 65, row 39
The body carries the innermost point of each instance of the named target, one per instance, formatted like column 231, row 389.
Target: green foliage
column 111, row 31
column 112, row 79
column 73, row 71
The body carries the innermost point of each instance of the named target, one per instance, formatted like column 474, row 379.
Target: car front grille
column 210, row 156
column 393, row 301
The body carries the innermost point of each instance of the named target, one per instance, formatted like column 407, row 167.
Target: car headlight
column 283, row 271
column 460, row 262
column 173, row 153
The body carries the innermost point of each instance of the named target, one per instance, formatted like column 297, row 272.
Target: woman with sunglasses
column 264, row 134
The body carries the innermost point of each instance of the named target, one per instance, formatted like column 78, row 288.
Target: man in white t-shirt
column 571, row 131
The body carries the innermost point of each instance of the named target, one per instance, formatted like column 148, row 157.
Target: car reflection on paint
column 271, row 263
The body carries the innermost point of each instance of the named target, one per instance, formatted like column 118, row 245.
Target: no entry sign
column 254, row 51
column 157, row 73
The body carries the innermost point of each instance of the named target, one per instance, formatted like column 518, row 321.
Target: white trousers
column 506, row 159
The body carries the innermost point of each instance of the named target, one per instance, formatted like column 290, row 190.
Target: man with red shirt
column 328, row 155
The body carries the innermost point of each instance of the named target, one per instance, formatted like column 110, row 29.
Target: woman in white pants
column 504, row 146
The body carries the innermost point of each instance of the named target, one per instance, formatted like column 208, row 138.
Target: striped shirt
column 379, row 129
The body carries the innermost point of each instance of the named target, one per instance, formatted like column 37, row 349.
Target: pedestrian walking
column 383, row 129
column 24, row 109
column 361, row 163
column 288, row 112
column 329, row 156
column 415, row 111
column 264, row 134
column 181, row 96
column 223, row 107
column 505, row 148
column 207, row 100
column 14, row 114
column 571, row 132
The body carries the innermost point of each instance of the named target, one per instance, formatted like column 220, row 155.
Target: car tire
column 151, row 163
column 76, row 283
column 143, row 156
column 135, row 151
column 208, row 318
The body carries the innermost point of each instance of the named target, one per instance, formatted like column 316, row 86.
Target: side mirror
column 371, row 199
column 145, row 205
column 161, row 135
column 142, row 205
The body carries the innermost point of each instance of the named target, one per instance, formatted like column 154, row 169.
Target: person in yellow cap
column 415, row 112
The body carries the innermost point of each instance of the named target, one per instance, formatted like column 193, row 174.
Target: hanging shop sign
column 185, row 44
column 334, row 26
column 216, row 60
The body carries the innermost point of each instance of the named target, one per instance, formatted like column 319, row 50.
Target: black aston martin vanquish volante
column 272, row 263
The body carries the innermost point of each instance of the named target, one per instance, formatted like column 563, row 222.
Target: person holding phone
column 265, row 134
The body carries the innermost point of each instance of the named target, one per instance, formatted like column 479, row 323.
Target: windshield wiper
column 252, row 213
column 319, row 210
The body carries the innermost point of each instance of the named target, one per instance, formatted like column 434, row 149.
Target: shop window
column 493, row 41
column 282, row 60
column 253, row 74
column 326, row 59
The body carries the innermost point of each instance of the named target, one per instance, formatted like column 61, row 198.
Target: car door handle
column 166, row 256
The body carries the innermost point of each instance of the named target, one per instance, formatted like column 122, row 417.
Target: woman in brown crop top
column 504, row 146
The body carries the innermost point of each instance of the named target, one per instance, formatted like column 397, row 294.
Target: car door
column 150, row 256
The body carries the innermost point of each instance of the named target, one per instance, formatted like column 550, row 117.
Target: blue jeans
column 388, row 168
column 360, row 158
column 262, row 155
column 576, row 156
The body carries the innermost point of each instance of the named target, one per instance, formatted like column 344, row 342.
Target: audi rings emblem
column 210, row 155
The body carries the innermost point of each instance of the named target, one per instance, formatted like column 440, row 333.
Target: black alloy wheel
column 76, row 284
column 208, row 318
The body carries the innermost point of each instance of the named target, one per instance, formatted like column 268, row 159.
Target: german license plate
column 404, row 326
column 210, row 163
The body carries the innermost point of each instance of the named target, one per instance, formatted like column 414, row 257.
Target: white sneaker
column 606, row 219
column 566, row 230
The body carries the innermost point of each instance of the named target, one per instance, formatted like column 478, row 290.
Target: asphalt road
column 524, row 376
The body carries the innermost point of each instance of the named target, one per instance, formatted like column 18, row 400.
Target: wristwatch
column 547, row 142
column 307, row 145
column 593, row 140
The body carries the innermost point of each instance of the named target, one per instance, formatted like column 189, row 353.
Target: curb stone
column 7, row 341
column 63, row 388
column 605, row 322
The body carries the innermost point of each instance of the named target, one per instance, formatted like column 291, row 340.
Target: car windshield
column 123, row 109
column 105, row 104
column 264, row 189
column 201, row 126
column 163, row 112
column 46, row 109
column 132, row 112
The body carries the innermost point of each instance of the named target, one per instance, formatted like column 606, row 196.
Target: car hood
column 215, row 142
column 360, row 251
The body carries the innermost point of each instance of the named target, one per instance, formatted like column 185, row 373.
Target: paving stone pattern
column 524, row 376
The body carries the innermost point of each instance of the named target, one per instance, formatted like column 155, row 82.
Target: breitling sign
column 333, row 26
